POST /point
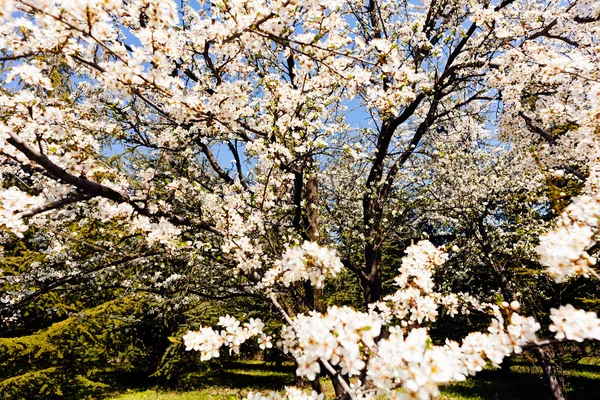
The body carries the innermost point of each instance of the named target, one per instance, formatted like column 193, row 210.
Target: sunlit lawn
column 238, row 379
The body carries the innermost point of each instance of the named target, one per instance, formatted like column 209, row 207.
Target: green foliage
column 69, row 358
column 46, row 382
column 176, row 363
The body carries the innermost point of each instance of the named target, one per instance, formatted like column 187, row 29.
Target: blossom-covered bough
column 252, row 137
column 384, row 355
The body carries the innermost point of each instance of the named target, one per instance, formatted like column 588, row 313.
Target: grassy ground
column 237, row 379
column 582, row 382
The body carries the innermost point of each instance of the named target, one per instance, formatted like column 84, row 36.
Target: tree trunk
column 340, row 393
column 310, row 223
column 306, row 220
column 509, row 295
column 505, row 366
column 549, row 375
column 371, row 278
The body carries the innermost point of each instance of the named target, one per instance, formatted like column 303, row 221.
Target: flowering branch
column 325, row 363
column 56, row 204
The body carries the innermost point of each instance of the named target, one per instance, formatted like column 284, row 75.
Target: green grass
column 215, row 393
column 525, row 382
column 235, row 380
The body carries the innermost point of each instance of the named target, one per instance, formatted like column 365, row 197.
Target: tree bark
column 310, row 224
column 306, row 220
column 549, row 375
column 340, row 393
column 371, row 277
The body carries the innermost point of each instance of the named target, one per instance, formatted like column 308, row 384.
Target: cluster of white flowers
column 572, row 324
column 415, row 300
column 350, row 340
column 419, row 264
column 402, row 359
column 29, row 74
column 342, row 337
column 163, row 232
column 564, row 250
column 108, row 210
column 290, row 393
column 309, row 262
column 413, row 363
column 209, row 341
column 12, row 201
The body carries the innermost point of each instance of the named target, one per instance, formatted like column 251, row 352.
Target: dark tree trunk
column 505, row 366
column 310, row 225
column 306, row 221
column 371, row 278
column 550, row 377
column 340, row 393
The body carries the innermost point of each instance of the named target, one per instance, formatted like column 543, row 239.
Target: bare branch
column 54, row 205
column 238, row 163
column 17, row 57
column 215, row 164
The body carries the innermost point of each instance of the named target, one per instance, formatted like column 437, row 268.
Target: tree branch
column 54, row 205
column 94, row 189
column 89, row 187
column 214, row 163
column 325, row 363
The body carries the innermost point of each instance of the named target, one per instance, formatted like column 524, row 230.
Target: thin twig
column 325, row 363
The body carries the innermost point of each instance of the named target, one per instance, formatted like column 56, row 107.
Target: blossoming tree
column 281, row 141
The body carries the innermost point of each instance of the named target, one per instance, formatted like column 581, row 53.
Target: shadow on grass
column 593, row 369
column 133, row 379
column 287, row 368
column 243, row 376
column 525, row 383
column 495, row 385
column 583, row 388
